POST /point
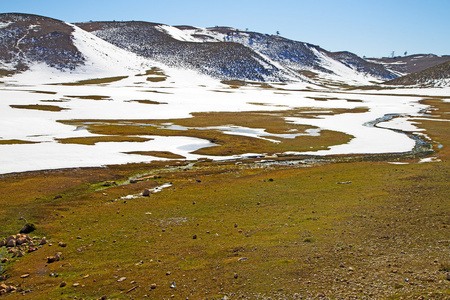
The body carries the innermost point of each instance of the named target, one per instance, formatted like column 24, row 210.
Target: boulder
column 11, row 243
column 27, row 228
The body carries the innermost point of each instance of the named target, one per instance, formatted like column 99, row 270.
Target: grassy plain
column 333, row 229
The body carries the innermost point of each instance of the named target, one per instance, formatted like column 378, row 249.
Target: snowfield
column 182, row 93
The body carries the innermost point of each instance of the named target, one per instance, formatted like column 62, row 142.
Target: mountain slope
column 404, row 65
column 31, row 38
column 221, row 60
column 229, row 53
column 52, row 47
column 219, row 52
column 435, row 76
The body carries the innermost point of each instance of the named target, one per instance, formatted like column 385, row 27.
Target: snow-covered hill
column 228, row 53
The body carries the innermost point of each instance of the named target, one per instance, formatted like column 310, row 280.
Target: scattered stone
column 63, row 284
column 54, row 258
column 132, row 289
column 448, row 276
column 86, row 276
column 242, row 259
column 153, row 286
column 109, row 183
column 20, row 254
column 62, row 244
column 43, row 241
column 139, row 263
column 168, row 273
column 2, row 277
column 146, row 193
column 236, row 276
column 11, row 243
column 27, row 228
column 194, row 237
column 57, row 197
column 25, row 276
column 76, row 284
column 173, row 285
column 121, row 279
column 350, row 269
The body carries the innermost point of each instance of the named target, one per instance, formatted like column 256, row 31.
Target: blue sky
column 371, row 28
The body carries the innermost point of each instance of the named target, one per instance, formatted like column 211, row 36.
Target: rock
column 76, row 284
column 121, row 279
column 20, row 254
column 2, row 277
column 448, row 276
column 63, row 284
column 57, row 197
column 25, row 276
column 3, row 243
column 194, row 237
column 350, row 269
column 62, row 244
column 21, row 240
column 11, row 243
column 146, row 193
column 3, row 260
column 27, row 228
column 153, row 286
column 173, row 285
column 242, row 259
column 43, row 241
column 54, row 258
column 236, row 276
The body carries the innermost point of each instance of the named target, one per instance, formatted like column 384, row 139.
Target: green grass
column 53, row 108
column 273, row 122
column 94, row 81
column 262, row 231
column 92, row 140
column 90, row 97
column 15, row 142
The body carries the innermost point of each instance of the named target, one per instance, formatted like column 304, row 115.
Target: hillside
column 404, row 65
column 432, row 77
column 31, row 38
column 228, row 53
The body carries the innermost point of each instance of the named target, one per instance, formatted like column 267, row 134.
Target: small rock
column 20, row 254
column 25, row 276
column 153, row 286
column 173, row 285
column 43, row 241
column 236, row 276
column 3, row 260
column 62, row 244
column 57, row 197
column 146, row 193
column 76, row 284
column 63, row 284
column 168, row 273
column 2, row 277
column 242, row 259
column 194, row 237
column 86, row 276
column 448, row 276
column 350, row 269
column 121, row 279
